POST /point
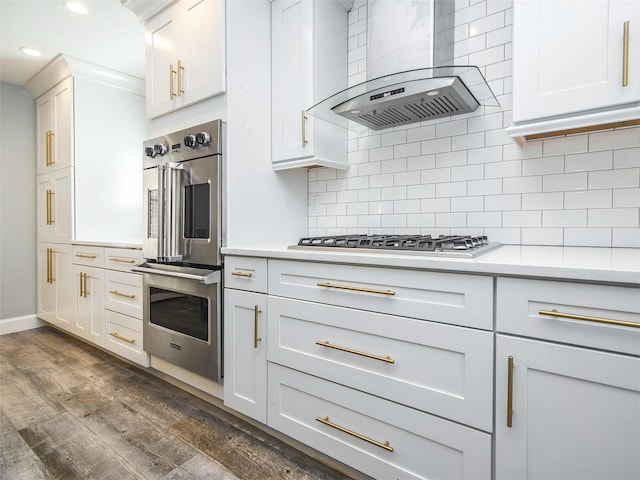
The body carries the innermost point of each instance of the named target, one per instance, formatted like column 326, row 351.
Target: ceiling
column 109, row 35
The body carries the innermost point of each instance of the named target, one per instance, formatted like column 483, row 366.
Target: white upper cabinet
column 309, row 63
column 575, row 66
column 54, row 113
column 185, row 55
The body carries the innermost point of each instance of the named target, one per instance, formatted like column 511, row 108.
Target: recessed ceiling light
column 30, row 51
column 76, row 7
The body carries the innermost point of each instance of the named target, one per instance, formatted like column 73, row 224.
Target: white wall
column 17, row 206
column 465, row 175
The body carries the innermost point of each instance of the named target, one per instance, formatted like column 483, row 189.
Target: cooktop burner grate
column 421, row 243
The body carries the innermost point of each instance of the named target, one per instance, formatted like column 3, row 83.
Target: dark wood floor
column 71, row 411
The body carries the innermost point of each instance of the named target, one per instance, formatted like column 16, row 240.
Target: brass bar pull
column 386, row 359
column 50, row 155
column 180, row 74
column 128, row 295
column 171, row 73
column 242, row 274
column 384, row 445
column 85, row 255
column 355, row 289
column 47, row 199
column 47, row 137
column 509, row 391
column 625, row 55
column 51, row 260
column 122, row 260
column 256, row 338
column 86, row 292
column 556, row 313
column 117, row 335
column 49, row 265
column 50, row 209
column 81, row 289
column 304, row 129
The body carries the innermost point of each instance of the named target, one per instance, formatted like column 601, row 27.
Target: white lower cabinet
column 124, row 337
column 89, row 317
column 55, row 300
column 371, row 434
column 245, row 353
column 575, row 412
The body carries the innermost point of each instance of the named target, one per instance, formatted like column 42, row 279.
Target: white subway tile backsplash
column 623, row 178
column 588, row 199
column 464, row 175
column 613, row 217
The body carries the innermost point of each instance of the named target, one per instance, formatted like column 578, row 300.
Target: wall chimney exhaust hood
column 401, row 36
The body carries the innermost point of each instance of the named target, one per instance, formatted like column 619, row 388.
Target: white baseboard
column 18, row 324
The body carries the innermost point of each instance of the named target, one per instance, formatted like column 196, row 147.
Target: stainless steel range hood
column 401, row 94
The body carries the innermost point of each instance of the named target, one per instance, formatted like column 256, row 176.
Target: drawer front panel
column 88, row 256
column 375, row 436
column 442, row 369
column 526, row 307
column 121, row 259
column 123, row 293
column 124, row 337
column 464, row 300
column 246, row 273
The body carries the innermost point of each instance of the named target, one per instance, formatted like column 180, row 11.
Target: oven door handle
column 208, row 279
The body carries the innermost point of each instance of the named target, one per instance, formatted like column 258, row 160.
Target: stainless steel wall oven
column 182, row 271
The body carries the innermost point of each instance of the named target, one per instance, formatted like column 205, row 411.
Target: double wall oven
column 182, row 271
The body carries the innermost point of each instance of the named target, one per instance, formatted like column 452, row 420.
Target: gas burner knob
column 149, row 152
column 160, row 149
column 203, row 138
column 190, row 141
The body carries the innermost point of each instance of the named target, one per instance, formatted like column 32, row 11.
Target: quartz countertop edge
column 589, row 264
column 130, row 244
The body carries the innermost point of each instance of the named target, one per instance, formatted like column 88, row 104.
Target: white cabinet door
column 89, row 294
column 46, row 289
column 54, row 112
column 55, row 206
column 185, row 55
column 308, row 64
column 575, row 414
column 55, row 297
column 245, row 353
column 568, row 59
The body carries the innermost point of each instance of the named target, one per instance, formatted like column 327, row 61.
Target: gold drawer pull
column 242, row 274
column 556, row 313
column 121, row 260
column 509, row 391
column 384, row 445
column 256, row 338
column 386, row 359
column 625, row 53
column 117, row 335
column 85, row 255
column 128, row 295
column 355, row 289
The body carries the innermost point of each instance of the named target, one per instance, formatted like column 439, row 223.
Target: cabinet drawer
column 121, row 258
column 520, row 303
column 246, row 273
column 440, row 369
column 419, row 445
column 124, row 337
column 123, row 293
column 465, row 300
column 88, row 255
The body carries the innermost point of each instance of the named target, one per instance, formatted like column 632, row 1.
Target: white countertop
column 594, row 264
column 133, row 243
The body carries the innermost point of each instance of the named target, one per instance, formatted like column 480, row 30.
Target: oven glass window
column 180, row 312
column 196, row 211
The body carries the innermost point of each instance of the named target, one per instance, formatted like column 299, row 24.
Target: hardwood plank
column 200, row 467
column 17, row 460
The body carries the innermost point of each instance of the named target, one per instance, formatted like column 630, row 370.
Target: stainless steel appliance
column 181, row 244
column 461, row 246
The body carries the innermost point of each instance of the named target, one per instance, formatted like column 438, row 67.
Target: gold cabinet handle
column 556, row 313
column 51, row 159
column 180, row 74
column 386, row 358
column 355, row 289
column 47, row 148
column 49, row 265
column 49, row 205
column 128, row 295
column 625, row 54
column 172, row 72
column 326, row 421
column 509, row 391
column 118, row 336
column 304, row 129
column 122, row 260
column 242, row 274
column 81, row 284
column 85, row 255
column 256, row 338
column 47, row 199
column 86, row 291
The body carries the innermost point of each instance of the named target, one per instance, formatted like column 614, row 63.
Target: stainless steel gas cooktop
column 454, row 246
